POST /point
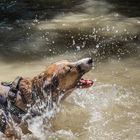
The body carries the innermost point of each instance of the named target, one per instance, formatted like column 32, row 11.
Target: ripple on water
column 104, row 111
column 113, row 111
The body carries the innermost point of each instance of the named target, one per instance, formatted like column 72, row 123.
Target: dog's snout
column 84, row 65
column 90, row 61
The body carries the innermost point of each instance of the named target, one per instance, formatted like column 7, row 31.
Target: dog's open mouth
column 82, row 83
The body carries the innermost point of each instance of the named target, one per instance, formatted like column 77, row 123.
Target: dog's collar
column 14, row 88
column 12, row 95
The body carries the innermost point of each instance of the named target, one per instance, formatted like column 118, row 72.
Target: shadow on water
column 22, row 40
column 129, row 8
column 30, row 9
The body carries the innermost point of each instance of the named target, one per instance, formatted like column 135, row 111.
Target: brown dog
column 58, row 80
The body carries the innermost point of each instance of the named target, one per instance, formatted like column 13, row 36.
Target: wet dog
column 56, row 82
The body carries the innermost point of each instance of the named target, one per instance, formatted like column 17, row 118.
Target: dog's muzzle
column 84, row 65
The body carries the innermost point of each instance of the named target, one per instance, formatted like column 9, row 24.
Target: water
column 108, row 31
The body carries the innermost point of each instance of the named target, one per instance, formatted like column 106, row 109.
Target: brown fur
column 67, row 75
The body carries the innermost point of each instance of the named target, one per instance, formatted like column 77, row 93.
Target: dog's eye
column 69, row 69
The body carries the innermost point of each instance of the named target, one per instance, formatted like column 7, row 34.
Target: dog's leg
column 6, row 128
column 12, row 133
column 24, row 127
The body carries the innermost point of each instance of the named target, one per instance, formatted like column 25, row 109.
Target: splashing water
column 102, row 29
column 108, row 110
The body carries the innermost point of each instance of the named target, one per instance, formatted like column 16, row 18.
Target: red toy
column 85, row 83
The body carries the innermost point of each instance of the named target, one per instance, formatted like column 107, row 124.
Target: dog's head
column 64, row 75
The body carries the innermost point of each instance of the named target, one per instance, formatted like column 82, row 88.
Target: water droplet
column 97, row 46
column 78, row 48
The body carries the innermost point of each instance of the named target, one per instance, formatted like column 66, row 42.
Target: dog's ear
column 51, row 85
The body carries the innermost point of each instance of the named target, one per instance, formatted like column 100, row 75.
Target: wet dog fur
column 57, row 78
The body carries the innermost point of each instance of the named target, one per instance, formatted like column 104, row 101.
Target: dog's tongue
column 85, row 83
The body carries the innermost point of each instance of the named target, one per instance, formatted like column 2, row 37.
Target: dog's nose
column 90, row 61
column 85, row 61
column 84, row 65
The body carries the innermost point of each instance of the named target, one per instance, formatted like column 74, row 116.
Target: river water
column 107, row 31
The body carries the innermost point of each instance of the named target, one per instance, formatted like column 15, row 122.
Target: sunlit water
column 110, row 109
